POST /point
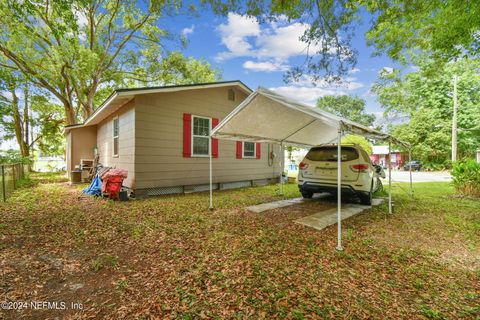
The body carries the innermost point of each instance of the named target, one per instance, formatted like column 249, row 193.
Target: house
column 161, row 136
column 48, row 163
column 380, row 156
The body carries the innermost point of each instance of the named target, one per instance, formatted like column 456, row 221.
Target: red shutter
column 259, row 150
column 214, row 141
column 187, row 135
column 239, row 150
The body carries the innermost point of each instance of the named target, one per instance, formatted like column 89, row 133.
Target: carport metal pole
column 210, row 167
column 339, row 190
column 282, row 154
column 389, row 176
column 410, row 170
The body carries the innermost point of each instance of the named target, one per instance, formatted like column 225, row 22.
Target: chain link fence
column 10, row 175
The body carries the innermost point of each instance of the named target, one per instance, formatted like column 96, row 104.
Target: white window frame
column 254, row 151
column 115, row 155
column 192, row 136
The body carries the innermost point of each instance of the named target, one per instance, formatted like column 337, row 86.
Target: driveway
column 419, row 176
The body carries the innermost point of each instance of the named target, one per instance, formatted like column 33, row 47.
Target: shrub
column 466, row 177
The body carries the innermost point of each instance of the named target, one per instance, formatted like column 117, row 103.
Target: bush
column 466, row 177
column 436, row 166
column 13, row 156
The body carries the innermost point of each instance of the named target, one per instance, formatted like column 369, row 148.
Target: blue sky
column 258, row 54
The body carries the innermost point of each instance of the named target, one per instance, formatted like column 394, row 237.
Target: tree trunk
column 26, row 115
column 91, row 94
column 18, row 124
column 69, row 113
column 26, row 123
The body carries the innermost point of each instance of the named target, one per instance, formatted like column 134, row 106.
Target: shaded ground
column 170, row 257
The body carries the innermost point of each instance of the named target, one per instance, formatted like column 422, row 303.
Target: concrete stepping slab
column 259, row 208
column 325, row 218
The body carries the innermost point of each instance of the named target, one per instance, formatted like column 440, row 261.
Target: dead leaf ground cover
column 170, row 257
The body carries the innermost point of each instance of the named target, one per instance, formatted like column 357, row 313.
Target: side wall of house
column 81, row 143
column 159, row 141
column 126, row 142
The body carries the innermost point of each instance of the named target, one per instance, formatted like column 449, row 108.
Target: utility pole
column 454, row 119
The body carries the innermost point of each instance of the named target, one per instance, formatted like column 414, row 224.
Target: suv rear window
column 330, row 154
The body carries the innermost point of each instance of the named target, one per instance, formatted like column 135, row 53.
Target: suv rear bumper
column 330, row 188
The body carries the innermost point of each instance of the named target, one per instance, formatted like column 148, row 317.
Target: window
column 116, row 132
column 248, row 149
column 330, row 154
column 200, row 136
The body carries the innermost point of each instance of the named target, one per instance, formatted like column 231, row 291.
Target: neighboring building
column 44, row 163
column 160, row 135
column 380, row 156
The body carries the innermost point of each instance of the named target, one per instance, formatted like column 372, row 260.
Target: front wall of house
column 159, row 141
column 81, row 143
column 126, row 142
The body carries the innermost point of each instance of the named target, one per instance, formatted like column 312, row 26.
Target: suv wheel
column 366, row 198
column 307, row 194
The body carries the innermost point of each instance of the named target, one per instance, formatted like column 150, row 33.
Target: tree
column 27, row 116
column 327, row 37
column 48, row 123
column 445, row 29
column 351, row 108
column 425, row 99
column 15, row 120
column 361, row 141
column 73, row 48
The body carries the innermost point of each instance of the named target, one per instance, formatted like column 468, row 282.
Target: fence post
column 3, row 184
column 14, row 177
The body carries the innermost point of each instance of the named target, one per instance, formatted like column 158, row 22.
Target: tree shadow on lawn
column 171, row 257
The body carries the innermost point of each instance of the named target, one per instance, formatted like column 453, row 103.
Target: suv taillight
column 303, row 165
column 359, row 167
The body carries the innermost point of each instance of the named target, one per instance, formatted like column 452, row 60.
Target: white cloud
column 82, row 19
column 265, row 66
column 348, row 83
column 307, row 92
column 187, row 31
column 8, row 95
column 353, row 71
column 307, row 95
column 234, row 35
column 414, row 68
column 387, row 70
column 369, row 93
column 271, row 44
column 282, row 42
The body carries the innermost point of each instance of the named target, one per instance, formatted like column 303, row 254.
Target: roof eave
column 135, row 91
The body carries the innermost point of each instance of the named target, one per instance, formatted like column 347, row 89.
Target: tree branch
column 23, row 66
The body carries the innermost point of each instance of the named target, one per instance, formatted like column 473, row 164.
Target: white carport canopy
column 269, row 117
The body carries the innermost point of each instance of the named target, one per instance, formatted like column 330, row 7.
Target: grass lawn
column 170, row 257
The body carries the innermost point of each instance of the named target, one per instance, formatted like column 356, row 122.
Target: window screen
column 116, row 133
column 249, row 149
column 200, row 136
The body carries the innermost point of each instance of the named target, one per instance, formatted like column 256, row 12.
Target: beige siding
column 81, row 143
column 126, row 151
column 159, row 141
